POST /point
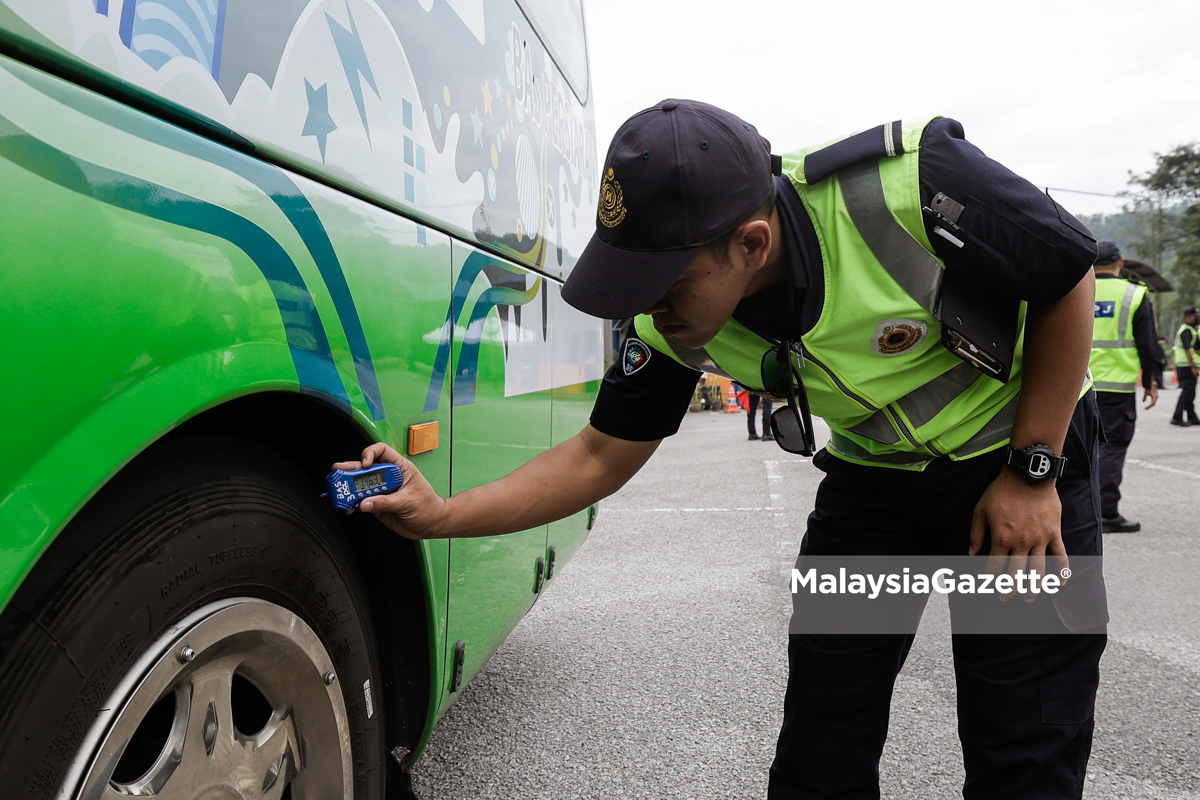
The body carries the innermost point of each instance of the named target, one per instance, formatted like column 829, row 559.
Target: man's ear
column 754, row 239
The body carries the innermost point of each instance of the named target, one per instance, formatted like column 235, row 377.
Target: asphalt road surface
column 655, row 664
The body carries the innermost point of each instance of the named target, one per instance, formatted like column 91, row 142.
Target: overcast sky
column 1066, row 93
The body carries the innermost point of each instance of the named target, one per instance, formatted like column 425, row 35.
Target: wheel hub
column 228, row 667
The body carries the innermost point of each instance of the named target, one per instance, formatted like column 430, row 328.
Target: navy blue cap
column 1193, row 311
column 1107, row 252
column 677, row 176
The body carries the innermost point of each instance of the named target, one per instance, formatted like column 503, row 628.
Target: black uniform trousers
column 1025, row 703
column 766, row 414
column 1118, row 413
column 1185, row 409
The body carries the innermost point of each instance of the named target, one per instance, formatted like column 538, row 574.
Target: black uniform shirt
column 1145, row 335
column 651, row 402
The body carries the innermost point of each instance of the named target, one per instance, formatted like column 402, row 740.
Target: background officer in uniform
column 1187, row 362
column 1123, row 341
column 728, row 266
column 753, row 402
column 1161, row 367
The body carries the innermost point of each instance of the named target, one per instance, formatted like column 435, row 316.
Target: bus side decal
column 306, row 336
column 467, row 372
column 274, row 182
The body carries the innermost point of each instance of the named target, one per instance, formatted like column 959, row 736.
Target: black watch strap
column 1037, row 462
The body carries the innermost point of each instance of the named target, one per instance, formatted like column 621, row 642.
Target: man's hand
column 1024, row 521
column 415, row 510
column 565, row 479
column 1195, row 372
column 1151, row 396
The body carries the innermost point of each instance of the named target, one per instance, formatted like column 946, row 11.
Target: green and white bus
column 240, row 240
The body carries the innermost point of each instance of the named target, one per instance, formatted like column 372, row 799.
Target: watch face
column 1039, row 465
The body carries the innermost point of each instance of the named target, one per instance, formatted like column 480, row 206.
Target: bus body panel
column 455, row 113
column 151, row 274
column 578, row 365
column 496, row 430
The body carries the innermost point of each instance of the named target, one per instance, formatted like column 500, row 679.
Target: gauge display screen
column 368, row 481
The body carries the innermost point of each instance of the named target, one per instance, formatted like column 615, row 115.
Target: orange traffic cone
column 731, row 403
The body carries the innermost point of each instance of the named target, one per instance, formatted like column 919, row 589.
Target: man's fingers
column 1037, row 564
column 1059, row 561
column 377, row 453
column 372, row 453
column 997, row 558
column 1017, row 562
column 375, row 505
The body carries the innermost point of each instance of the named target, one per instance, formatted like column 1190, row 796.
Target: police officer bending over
column 1123, row 341
column 936, row 310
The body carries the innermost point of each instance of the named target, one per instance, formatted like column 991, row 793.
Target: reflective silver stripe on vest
column 1113, row 386
column 902, row 256
column 1122, row 340
column 877, row 428
column 995, row 431
column 849, row 448
column 920, row 405
column 923, row 404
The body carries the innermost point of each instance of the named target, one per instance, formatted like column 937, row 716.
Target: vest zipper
column 899, row 423
column 804, row 352
column 843, row 388
column 895, row 417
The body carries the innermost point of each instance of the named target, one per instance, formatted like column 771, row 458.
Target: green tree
column 1175, row 180
column 1187, row 265
column 1177, row 174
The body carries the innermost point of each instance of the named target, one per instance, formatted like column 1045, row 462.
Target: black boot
column 1119, row 524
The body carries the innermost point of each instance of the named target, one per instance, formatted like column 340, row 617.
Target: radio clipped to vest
column 971, row 318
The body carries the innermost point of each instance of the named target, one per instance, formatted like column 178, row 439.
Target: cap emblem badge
column 637, row 355
column 612, row 203
column 895, row 336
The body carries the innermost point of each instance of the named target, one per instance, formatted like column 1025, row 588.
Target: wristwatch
column 1036, row 463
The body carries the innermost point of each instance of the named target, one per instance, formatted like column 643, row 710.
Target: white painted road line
column 1137, row 462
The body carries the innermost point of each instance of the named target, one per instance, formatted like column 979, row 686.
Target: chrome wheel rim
column 181, row 726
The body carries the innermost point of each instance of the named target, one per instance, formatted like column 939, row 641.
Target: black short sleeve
column 1187, row 340
column 1019, row 242
column 1146, row 338
column 643, row 399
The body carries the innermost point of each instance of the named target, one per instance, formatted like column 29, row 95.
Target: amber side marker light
column 422, row 437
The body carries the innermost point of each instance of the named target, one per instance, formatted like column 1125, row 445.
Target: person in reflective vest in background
column 1187, row 367
column 936, row 310
column 1123, row 342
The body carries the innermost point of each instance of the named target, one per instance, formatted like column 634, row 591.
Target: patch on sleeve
column 636, row 356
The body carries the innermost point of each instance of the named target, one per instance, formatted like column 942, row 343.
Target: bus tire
column 199, row 623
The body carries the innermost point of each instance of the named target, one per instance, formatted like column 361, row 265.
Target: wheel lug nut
column 330, row 678
column 186, row 655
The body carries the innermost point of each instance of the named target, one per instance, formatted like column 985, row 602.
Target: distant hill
column 1124, row 228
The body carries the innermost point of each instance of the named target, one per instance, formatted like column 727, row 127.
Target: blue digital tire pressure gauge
column 348, row 489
